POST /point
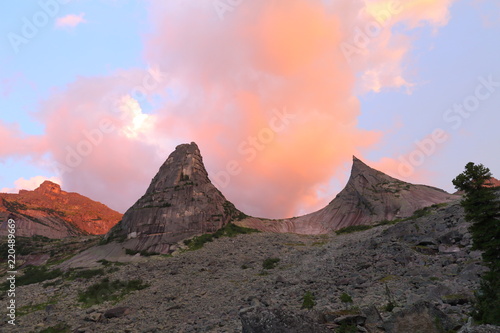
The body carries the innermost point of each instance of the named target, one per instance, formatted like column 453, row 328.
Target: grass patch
column 24, row 310
column 229, row 230
column 353, row 228
column 421, row 212
column 84, row 273
column 308, row 301
column 36, row 274
column 270, row 263
column 388, row 278
column 107, row 290
column 388, row 222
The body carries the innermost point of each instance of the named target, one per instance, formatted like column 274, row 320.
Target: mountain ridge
column 181, row 202
column 369, row 196
column 51, row 212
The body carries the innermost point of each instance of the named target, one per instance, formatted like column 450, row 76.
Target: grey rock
column 419, row 317
column 117, row 312
column 350, row 320
column 180, row 202
column 265, row 320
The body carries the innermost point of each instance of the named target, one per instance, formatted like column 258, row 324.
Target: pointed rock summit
column 49, row 187
column 370, row 196
column 179, row 203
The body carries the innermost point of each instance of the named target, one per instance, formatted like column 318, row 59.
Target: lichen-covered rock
column 179, row 203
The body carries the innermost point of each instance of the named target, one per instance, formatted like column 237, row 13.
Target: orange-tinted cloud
column 268, row 89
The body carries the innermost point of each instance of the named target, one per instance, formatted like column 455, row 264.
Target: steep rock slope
column 48, row 211
column 180, row 202
column 424, row 267
column 370, row 196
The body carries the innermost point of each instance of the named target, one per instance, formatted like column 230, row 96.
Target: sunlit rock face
column 51, row 212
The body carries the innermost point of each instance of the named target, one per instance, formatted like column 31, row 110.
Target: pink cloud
column 70, row 21
column 235, row 80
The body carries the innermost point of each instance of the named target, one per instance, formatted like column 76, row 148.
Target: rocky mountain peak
column 51, row 212
column 184, row 165
column 370, row 196
column 49, row 187
column 359, row 167
column 180, row 202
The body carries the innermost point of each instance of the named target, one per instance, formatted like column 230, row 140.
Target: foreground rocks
column 397, row 276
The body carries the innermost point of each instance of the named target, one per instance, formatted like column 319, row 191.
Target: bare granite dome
column 370, row 196
column 179, row 203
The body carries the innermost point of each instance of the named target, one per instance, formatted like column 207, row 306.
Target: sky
column 278, row 94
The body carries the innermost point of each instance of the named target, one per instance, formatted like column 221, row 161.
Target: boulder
column 275, row 320
column 419, row 317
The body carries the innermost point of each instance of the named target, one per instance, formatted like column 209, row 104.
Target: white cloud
column 29, row 184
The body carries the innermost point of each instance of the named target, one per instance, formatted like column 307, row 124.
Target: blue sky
column 443, row 64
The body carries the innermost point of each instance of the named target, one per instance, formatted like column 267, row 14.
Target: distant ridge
column 51, row 212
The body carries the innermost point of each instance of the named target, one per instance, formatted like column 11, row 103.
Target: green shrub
column 389, row 306
column 107, row 290
column 346, row 328
column 35, row 274
column 353, row 228
column 308, row 301
column 107, row 263
column 345, row 298
column 421, row 212
column 229, row 230
column 270, row 263
column 84, row 274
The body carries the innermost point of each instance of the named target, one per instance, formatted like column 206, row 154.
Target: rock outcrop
column 493, row 182
column 51, row 212
column 370, row 196
column 180, row 202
